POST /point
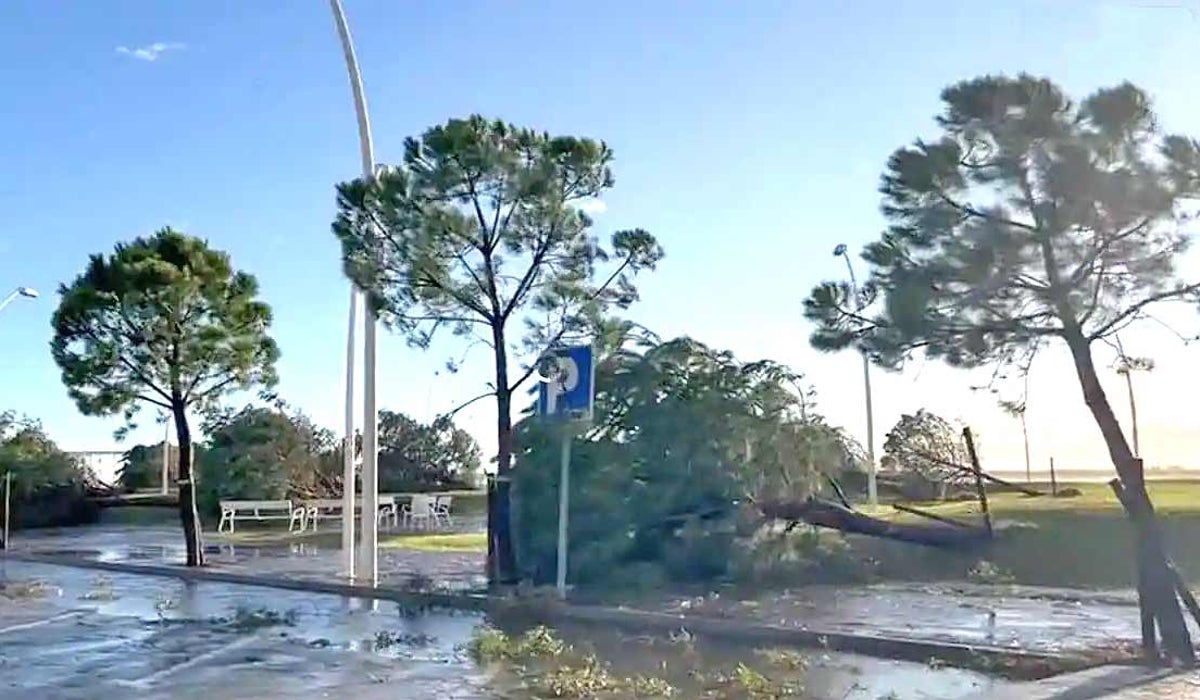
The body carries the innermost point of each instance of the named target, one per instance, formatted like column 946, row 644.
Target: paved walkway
column 302, row 560
column 1107, row 683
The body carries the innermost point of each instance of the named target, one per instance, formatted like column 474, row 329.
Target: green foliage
column 163, row 320
column 418, row 457
column 32, row 458
column 481, row 220
column 48, row 486
column 682, row 432
column 924, row 447
column 806, row 556
column 141, row 466
column 480, row 226
column 1031, row 217
column 264, row 454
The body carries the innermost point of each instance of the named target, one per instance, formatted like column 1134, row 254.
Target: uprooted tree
column 929, row 454
column 416, row 456
column 166, row 321
column 682, row 432
column 266, row 453
column 481, row 229
column 1032, row 220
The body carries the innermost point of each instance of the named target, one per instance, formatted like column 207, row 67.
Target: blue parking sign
column 567, row 389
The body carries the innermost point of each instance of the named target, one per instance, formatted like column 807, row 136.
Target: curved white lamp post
column 368, row 568
column 27, row 292
column 872, row 488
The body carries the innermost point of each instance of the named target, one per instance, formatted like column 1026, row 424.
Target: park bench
column 329, row 508
column 232, row 511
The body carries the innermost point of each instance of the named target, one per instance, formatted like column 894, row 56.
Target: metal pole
column 9, row 299
column 7, row 502
column 349, row 485
column 1137, row 451
column 166, row 456
column 564, row 505
column 872, row 487
column 369, row 564
column 370, row 463
column 1025, row 438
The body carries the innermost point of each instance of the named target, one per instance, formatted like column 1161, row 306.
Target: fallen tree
column 834, row 516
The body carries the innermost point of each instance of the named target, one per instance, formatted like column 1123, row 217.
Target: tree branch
column 1137, row 308
column 424, row 275
column 968, row 210
column 131, row 367
column 452, row 412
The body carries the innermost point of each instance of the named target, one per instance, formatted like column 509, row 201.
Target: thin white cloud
column 151, row 52
column 591, row 207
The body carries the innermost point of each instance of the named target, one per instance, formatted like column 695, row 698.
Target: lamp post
column 166, row 455
column 368, row 568
column 859, row 305
column 27, row 292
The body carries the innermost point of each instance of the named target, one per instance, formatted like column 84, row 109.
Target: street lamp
column 859, row 304
column 27, row 292
column 369, row 555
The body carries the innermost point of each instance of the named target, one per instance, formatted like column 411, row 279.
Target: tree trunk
column 502, row 566
column 1155, row 586
column 188, row 514
column 837, row 517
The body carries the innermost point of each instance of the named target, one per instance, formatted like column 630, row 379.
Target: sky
column 749, row 137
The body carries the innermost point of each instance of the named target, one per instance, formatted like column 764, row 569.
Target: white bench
column 232, row 511
column 329, row 508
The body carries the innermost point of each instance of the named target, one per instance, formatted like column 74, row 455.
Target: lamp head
column 29, row 292
column 839, row 249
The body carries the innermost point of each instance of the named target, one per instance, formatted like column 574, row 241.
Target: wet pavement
column 1046, row 620
column 312, row 560
column 1051, row 621
column 108, row 636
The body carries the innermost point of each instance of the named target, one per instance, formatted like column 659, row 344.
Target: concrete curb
column 546, row 611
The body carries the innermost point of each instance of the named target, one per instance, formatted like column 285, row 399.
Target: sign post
column 567, row 377
column 7, row 505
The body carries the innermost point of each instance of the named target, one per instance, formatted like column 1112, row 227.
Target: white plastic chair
column 441, row 510
column 419, row 510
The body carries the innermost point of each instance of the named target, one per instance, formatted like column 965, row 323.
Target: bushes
column 49, row 488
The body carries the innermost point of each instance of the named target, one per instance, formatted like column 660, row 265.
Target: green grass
column 420, row 541
column 462, row 542
column 1083, row 541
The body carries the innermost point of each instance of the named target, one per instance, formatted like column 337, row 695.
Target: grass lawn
column 468, row 542
column 1083, row 541
column 458, row 542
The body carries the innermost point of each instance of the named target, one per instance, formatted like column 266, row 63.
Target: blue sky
column 749, row 138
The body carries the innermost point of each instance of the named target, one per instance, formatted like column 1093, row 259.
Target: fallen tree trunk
column 931, row 516
column 834, row 516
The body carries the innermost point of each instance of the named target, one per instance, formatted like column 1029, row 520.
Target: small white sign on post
column 566, row 394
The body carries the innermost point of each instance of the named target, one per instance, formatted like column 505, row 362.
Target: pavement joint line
column 39, row 623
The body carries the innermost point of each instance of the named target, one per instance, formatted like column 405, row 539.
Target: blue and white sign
column 567, row 378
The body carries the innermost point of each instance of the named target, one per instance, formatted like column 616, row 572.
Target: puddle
column 100, row 635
